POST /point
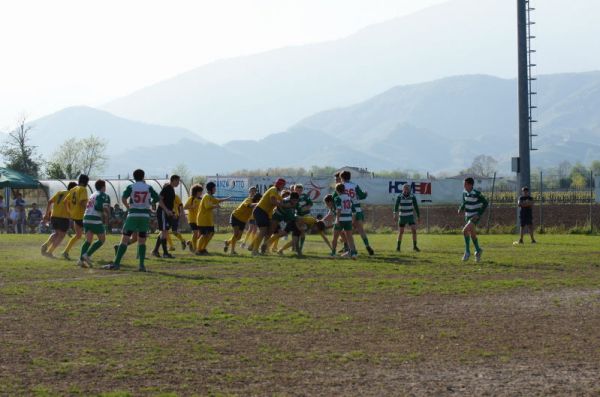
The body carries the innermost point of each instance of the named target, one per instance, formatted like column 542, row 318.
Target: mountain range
column 434, row 126
column 254, row 96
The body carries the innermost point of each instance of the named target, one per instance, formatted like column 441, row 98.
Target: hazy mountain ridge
column 256, row 95
column 122, row 135
column 435, row 126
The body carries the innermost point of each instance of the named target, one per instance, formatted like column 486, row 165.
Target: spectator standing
column 2, row 215
column 525, row 204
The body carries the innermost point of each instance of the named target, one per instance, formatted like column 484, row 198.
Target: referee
column 164, row 215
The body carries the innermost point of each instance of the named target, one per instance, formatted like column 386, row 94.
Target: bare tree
column 483, row 165
column 80, row 156
column 17, row 151
column 93, row 155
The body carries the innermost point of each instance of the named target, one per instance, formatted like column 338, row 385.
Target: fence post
column 541, row 203
column 591, row 200
column 491, row 204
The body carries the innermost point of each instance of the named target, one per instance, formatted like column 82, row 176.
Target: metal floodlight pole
column 524, row 177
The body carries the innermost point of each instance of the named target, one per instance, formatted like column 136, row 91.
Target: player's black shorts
column 292, row 227
column 206, row 229
column 233, row 221
column 78, row 222
column 526, row 219
column 262, row 218
column 164, row 222
column 60, row 224
column 193, row 226
column 174, row 224
column 129, row 233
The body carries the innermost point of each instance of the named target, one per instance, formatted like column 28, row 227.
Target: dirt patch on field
column 188, row 338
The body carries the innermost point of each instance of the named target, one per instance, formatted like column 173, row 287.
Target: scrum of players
column 267, row 218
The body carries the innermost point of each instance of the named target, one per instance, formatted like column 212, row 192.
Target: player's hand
column 458, row 212
column 475, row 218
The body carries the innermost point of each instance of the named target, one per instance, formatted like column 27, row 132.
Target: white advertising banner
column 316, row 188
column 381, row 191
column 230, row 186
column 384, row 191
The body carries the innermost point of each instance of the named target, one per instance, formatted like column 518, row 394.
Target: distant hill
column 435, row 126
column 444, row 124
column 122, row 134
column 253, row 96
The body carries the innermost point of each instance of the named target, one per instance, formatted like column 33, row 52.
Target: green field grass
column 395, row 323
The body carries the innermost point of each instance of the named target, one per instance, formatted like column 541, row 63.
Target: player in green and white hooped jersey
column 406, row 212
column 95, row 216
column 345, row 215
column 356, row 194
column 139, row 198
column 474, row 204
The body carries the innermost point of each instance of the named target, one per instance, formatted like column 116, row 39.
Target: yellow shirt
column 59, row 205
column 192, row 203
column 265, row 202
column 176, row 204
column 244, row 211
column 205, row 210
column 77, row 197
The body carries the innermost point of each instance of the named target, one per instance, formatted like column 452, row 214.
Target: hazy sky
column 85, row 52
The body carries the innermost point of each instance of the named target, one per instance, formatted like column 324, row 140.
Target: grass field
column 524, row 321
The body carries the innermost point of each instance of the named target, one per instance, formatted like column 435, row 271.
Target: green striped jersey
column 287, row 214
column 95, row 208
column 303, row 202
column 141, row 197
column 474, row 203
column 356, row 194
column 406, row 205
column 343, row 202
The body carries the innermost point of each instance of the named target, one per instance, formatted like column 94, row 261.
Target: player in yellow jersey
column 240, row 216
column 58, row 216
column 264, row 212
column 177, row 214
column 76, row 199
column 205, row 219
column 191, row 205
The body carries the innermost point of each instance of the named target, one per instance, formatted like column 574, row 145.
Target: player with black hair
column 138, row 198
column 474, row 204
column 97, row 214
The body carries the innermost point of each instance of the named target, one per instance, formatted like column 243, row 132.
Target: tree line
column 73, row 157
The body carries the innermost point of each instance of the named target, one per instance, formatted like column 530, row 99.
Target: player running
column 406, row 212
column 138, row 198
column 239, row 217
column 474, row 204
column 58, row 216
column 76, row 199
column 356, row 194
column 97, row 214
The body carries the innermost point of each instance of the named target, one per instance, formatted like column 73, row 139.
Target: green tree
column 18, row 153
column 55, row 171
column 579, row 176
